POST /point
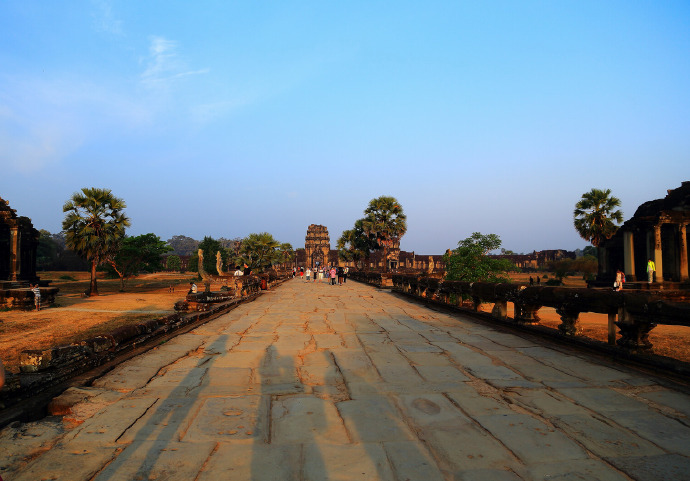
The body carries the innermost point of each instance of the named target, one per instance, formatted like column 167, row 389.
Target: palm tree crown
column 94, row 225
column 594, row 216
column 384, row 219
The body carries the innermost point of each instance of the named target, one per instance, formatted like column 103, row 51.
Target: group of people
column 330, row 274
column 531, row 281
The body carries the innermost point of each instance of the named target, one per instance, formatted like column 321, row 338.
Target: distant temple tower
column 317, row 245
column 18, row 245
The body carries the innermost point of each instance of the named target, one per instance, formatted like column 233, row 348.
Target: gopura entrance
column 317, row 245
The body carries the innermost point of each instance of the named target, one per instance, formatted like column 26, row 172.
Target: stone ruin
column 18, row 247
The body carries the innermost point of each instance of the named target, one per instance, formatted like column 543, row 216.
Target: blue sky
column 226, row 118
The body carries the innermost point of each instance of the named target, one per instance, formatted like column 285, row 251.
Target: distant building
column 657, row 231
column 18, row 246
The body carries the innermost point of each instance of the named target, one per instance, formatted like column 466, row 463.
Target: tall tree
column 183, row 245
column 94, row 225
column 595, row 216
column 385, row 220
column 210, row 247
column 471, row 262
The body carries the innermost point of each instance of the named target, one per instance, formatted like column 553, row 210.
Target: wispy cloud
column 164, row 66
column 104, row 19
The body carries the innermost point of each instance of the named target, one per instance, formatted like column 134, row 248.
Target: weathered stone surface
column 320, row 382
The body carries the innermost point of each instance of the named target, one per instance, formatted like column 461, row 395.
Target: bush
column 67, row 278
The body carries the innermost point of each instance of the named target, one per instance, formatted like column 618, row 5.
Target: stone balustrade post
column 570, row 321
column 526, row 313
column 500, row 310
column 634, row 331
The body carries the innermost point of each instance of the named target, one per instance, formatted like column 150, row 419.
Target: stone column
column 657, row 254
column 629, row 255
column 15, row 254
column 683, row 253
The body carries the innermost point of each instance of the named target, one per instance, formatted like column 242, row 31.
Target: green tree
column 354, row 244
column 143, row 253
column 174, row 263
column 595, row 216
column 261, row 251
column 94, row 225
column 471, row 262
column 47, row 252
column 386, row 222
column 183, row 245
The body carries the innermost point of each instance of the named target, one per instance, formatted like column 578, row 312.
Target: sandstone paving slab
column 328, row 462
column 514, row 383
column 306, row 419
column 508, row 340
column 171, row 461
column 475, row 404
column 441, row 374
column 431, row 411
column 604, row 400
column 665, row 432
column 546, row 403
column 429, row 359
column 241, row 419
column 24, row 441
column 603, row 439
column 436, row 335
column 83, row 462
column 533, row 370
column 239, row 359
column 394, row 367
column 654, row 467
column 226, row 381
column 411, row 460
column 328, row 341
column 356, row 367
column 679, row 402
column 231, row 461
column 166, row 420
column 505, row 474
column 180, row 379
column 406, row 347
column 573, row 470
column 530, row 439
column 319, row 375
column 106, row 427
column 373, row 419
column 576, row 366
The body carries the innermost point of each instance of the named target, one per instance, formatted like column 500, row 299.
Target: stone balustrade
column 635, row 313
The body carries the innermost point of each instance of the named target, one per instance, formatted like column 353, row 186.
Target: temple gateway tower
column 317, row 245
column 18, row 245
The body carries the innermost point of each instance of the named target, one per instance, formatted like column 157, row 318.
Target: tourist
column 301, row 273
column 247, row 270
column 37, row 296
column 238, row 272
column 340, row 276
column 618, row 284
column 332, row 273
column 538, row 280
column 531, row 281
column 650, row 271
column 192, row 288
column 308, row 274
column 294, row 272
column 345, row 271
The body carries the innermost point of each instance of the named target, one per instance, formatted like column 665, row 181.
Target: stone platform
column 320, row 382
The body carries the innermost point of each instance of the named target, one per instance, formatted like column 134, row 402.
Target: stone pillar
column 500, row 309
column 15, row 254
column 683, row 254
column 657, row 254
column 570, row 321
column 629, row 255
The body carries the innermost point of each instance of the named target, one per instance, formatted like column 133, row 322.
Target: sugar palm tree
column 385, row 221
column 595, row 214
column 94, row 225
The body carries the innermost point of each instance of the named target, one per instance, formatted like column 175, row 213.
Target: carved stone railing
column 634, row 313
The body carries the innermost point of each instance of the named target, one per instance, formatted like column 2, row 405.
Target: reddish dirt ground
column 74, row 318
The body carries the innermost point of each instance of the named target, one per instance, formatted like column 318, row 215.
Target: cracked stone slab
column 373, row 419
column 302, row 419
column 411, row 460
column 167, row 460
column 577, row 470
column 280, row 462
column 653, row 468
column 328, row 462
column 166, row 419
column 230, row 419
column 83, row 460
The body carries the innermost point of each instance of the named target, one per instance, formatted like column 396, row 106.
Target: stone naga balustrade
column 637, row 312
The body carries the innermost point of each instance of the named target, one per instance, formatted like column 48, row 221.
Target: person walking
column 37, row 296
column 308, row 274
column 650, row 271
column 345, row 271
column 332, row 273
column 341, row 273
